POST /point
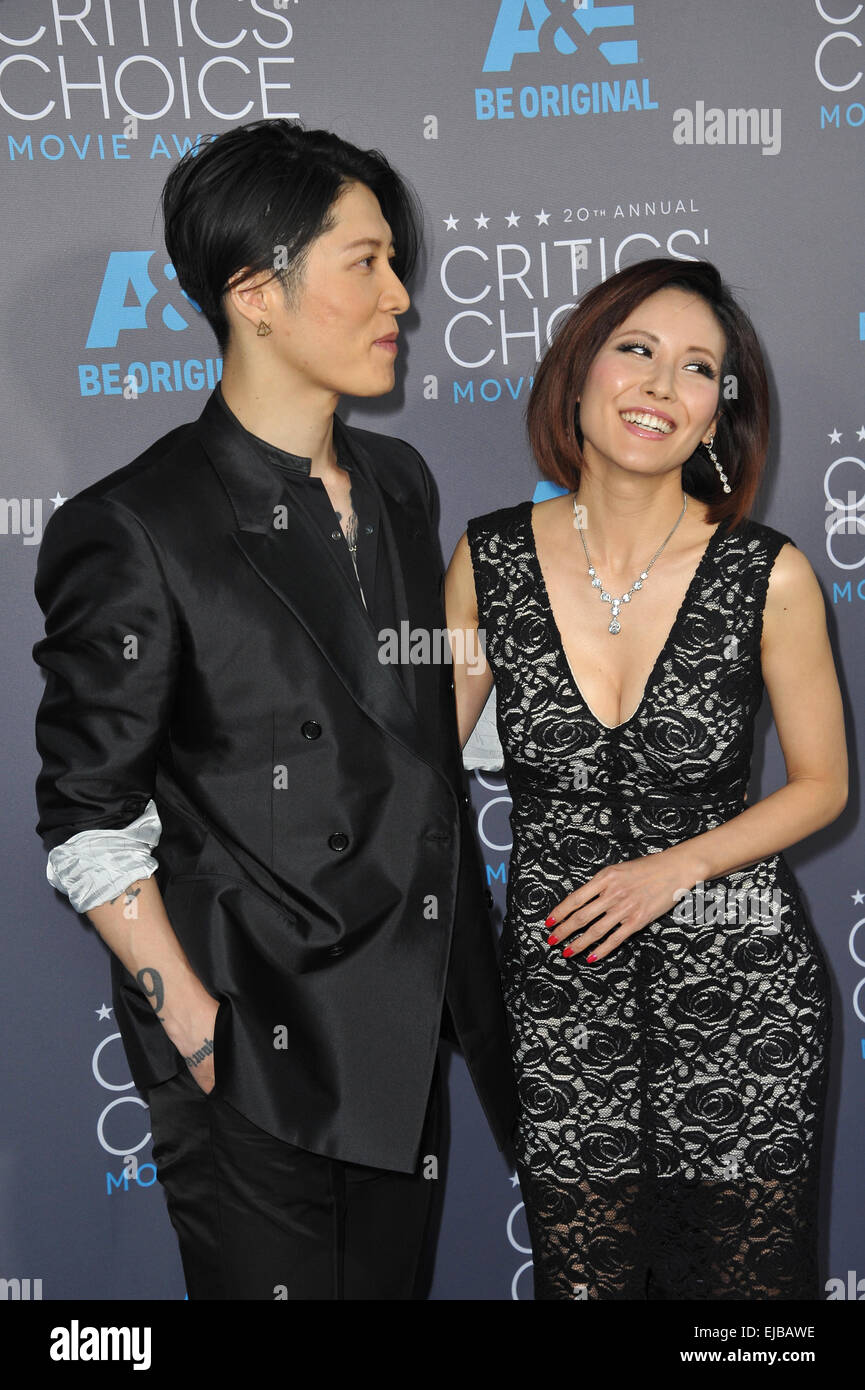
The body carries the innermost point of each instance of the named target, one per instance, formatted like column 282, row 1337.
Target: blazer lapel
column 406, row 536
column 292, row 559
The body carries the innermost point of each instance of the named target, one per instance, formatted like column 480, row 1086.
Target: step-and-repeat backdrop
column 551, row 142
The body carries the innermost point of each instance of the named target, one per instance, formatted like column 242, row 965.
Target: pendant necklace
column 615, row 625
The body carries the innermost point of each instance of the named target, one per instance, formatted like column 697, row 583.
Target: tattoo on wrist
column 151, row 984
column 199, row 1056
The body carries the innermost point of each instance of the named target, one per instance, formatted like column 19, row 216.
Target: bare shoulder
column 461, row 560
column 792, row 580
column 793, row 594
column 549, row 514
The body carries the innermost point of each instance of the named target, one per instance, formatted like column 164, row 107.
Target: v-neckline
column 557, row 636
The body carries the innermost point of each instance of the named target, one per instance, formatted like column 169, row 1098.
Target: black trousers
column 258, row 1218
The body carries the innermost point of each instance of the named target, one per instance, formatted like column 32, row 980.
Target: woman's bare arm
column 803, row 690
column 473, row 678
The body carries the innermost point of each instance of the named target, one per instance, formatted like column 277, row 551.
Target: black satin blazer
column 317, row 860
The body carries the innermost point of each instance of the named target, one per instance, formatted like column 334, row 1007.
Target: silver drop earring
column 714, row 457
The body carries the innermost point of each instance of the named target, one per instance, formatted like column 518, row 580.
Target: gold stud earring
column 263, row 329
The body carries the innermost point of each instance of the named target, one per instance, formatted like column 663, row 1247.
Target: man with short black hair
column 314, row 914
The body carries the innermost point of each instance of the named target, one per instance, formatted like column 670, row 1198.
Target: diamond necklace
column 615, row 625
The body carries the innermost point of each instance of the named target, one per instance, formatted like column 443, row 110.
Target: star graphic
column 860, row 433
column 835, row 437
column 450, row 222
column 103, row 1013
column 543, row 218
column 513, row 218
column 858, row 897
column 482, row 221
column 515, row 1182
column 57, row 500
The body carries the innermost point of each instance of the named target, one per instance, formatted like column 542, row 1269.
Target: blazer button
column 311, row 729
column 338, row 841
column 489, row 897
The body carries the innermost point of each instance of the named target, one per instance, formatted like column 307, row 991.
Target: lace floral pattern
column 672, row 1093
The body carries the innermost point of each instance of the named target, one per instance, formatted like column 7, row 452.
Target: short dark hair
column 742, row 432
column 265, row 185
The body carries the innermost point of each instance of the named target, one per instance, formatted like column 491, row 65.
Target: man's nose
column 395, row 297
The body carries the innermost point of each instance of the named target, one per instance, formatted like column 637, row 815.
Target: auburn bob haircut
column 742, row 432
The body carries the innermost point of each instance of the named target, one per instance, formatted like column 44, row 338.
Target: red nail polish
column 591, row 958
column 552, row 940
column 550, row 922
column 568, row 951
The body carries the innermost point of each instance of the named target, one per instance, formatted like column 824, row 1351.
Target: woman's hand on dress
column 623, row 898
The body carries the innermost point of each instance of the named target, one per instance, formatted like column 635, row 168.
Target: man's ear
column 249, row 295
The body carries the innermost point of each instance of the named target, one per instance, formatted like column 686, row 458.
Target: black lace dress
column 671, row 1094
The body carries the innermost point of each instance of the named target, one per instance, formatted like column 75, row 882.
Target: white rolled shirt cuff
column 95, row 866
column 484, row 749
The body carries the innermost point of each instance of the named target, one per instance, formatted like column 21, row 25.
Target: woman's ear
column 713, row 428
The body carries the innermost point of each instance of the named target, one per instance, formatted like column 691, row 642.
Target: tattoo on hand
column 153, row 987
column 199, row 1056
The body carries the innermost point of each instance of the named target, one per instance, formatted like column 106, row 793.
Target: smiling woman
column 608, row 318
column 671, row 1065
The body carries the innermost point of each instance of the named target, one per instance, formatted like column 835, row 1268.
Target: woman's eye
column 643, row 350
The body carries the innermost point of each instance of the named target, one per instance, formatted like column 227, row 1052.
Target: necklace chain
column 615, row 625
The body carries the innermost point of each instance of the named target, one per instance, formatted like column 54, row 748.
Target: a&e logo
column 125, row 293
column 551, row 27
column 121, row 313
column 520, row 24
